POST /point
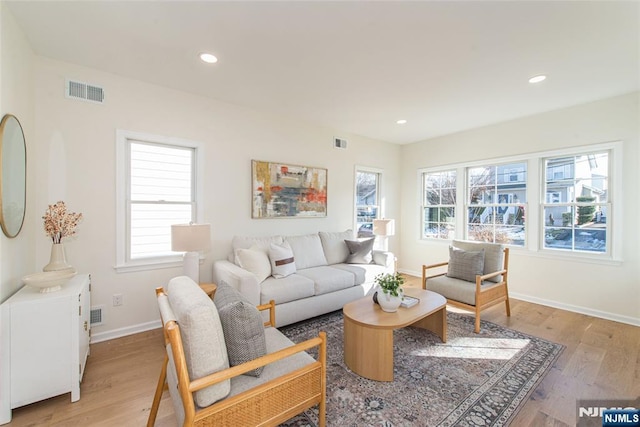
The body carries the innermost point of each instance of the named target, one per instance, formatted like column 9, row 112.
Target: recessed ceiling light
column 537, row 79
column 401, row 121
column 208, row 58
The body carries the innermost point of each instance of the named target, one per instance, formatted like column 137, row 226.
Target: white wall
column 16, row 97
column 75, row 161
column 607, row 290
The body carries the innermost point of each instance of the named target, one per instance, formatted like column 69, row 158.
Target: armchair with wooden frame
column 468, row 289
column 267, row 403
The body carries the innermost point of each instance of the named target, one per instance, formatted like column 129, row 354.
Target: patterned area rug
column 472, row 380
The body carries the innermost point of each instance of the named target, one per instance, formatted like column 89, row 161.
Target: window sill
column 145, row 265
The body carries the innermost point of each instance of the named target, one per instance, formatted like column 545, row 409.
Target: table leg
column 435, row 322
column 368, row 351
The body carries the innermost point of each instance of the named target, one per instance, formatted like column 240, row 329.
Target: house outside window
column 157, row 187
column 439, row 204
column 497, row 196
column 367, row 201
column 575, row 212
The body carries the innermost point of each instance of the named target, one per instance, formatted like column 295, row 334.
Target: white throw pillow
column 282, row 262
column 256, row 261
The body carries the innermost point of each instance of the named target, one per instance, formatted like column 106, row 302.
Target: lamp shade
column 384, row 227
column 190, row 237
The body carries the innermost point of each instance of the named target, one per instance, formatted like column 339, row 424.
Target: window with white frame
column 496, row 200
column 157, row 187
column 439, row 204
column 573, row 213
column 367, row 201
column 577, row 202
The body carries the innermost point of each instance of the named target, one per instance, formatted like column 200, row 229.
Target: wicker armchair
column 479, row 291
column 268, row 403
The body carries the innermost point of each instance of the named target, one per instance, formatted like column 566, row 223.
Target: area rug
column 471, row 380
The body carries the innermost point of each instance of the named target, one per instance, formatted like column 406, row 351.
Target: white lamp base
column 191, row 265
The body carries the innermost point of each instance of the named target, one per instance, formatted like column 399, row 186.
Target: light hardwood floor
column 601, row 360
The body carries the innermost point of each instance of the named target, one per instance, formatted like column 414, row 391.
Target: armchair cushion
column 465, row 265
column 242, row 325
column 202, row 336
column 493, row 255
column 360, row 251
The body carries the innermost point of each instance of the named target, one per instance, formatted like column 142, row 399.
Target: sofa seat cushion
column 455, row 289
column 202, row 336
column 307, row 250
column 242, row 325
column 286, row 289
column 364, row 273
column 328, row 279
column 335, row 248
column 275, row 341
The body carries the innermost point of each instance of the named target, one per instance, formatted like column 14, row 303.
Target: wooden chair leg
column 158, row 395
column 477, row 324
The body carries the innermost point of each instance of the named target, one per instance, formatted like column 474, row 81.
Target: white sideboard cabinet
column 45, row 344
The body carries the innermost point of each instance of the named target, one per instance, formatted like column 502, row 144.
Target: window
column 577, row 203
column 367, row 201
column 439, row 204
column 573, row 214
column 496, row 203
column 157, row 187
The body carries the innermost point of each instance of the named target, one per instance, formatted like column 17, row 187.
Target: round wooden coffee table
column 368, row 331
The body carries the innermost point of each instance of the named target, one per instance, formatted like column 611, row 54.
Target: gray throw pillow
column 360, row 251
column 242, row 325
column 465, row 265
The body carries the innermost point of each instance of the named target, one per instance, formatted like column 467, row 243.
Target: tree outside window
column 367, row 201
column 439, row 205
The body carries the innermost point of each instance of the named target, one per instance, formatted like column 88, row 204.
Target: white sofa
column 323, row 280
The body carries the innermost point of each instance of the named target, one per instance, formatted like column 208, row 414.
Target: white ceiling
column 357, row 66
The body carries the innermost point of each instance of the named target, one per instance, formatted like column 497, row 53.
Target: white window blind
column 161, row 189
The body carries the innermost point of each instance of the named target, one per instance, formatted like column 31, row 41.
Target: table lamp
column 190, row 239
column 385, row 228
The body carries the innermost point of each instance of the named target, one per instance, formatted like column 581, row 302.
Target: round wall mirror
column 13, row 175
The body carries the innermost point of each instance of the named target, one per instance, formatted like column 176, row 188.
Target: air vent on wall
column 96, row 316
column 84, row 91
column 340, row 143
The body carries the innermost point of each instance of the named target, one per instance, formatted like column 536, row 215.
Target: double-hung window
column 367, row 201
column 497, row 195
column 439, row 204
column 576, row 202
column 157, row 187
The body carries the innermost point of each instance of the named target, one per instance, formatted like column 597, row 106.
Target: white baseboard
column 123, row 332
column 569, row 307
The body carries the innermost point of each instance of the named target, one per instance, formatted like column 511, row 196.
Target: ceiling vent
column 84, row 92
column 340, row 143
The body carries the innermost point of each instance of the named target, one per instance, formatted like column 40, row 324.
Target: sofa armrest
column 384, row 258
column 244, row 281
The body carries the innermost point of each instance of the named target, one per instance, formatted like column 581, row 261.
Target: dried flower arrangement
column 58, row 223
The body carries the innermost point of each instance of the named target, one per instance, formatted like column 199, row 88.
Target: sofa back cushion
column 493, row 255
column 335, row 249
column 307, row 250
column 202, row 336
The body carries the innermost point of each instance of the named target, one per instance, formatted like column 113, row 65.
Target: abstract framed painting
column 281, row 190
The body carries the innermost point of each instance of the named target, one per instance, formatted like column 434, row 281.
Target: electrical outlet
column 117, row 300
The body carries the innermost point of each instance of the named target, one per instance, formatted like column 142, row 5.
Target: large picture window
column 576, row 203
